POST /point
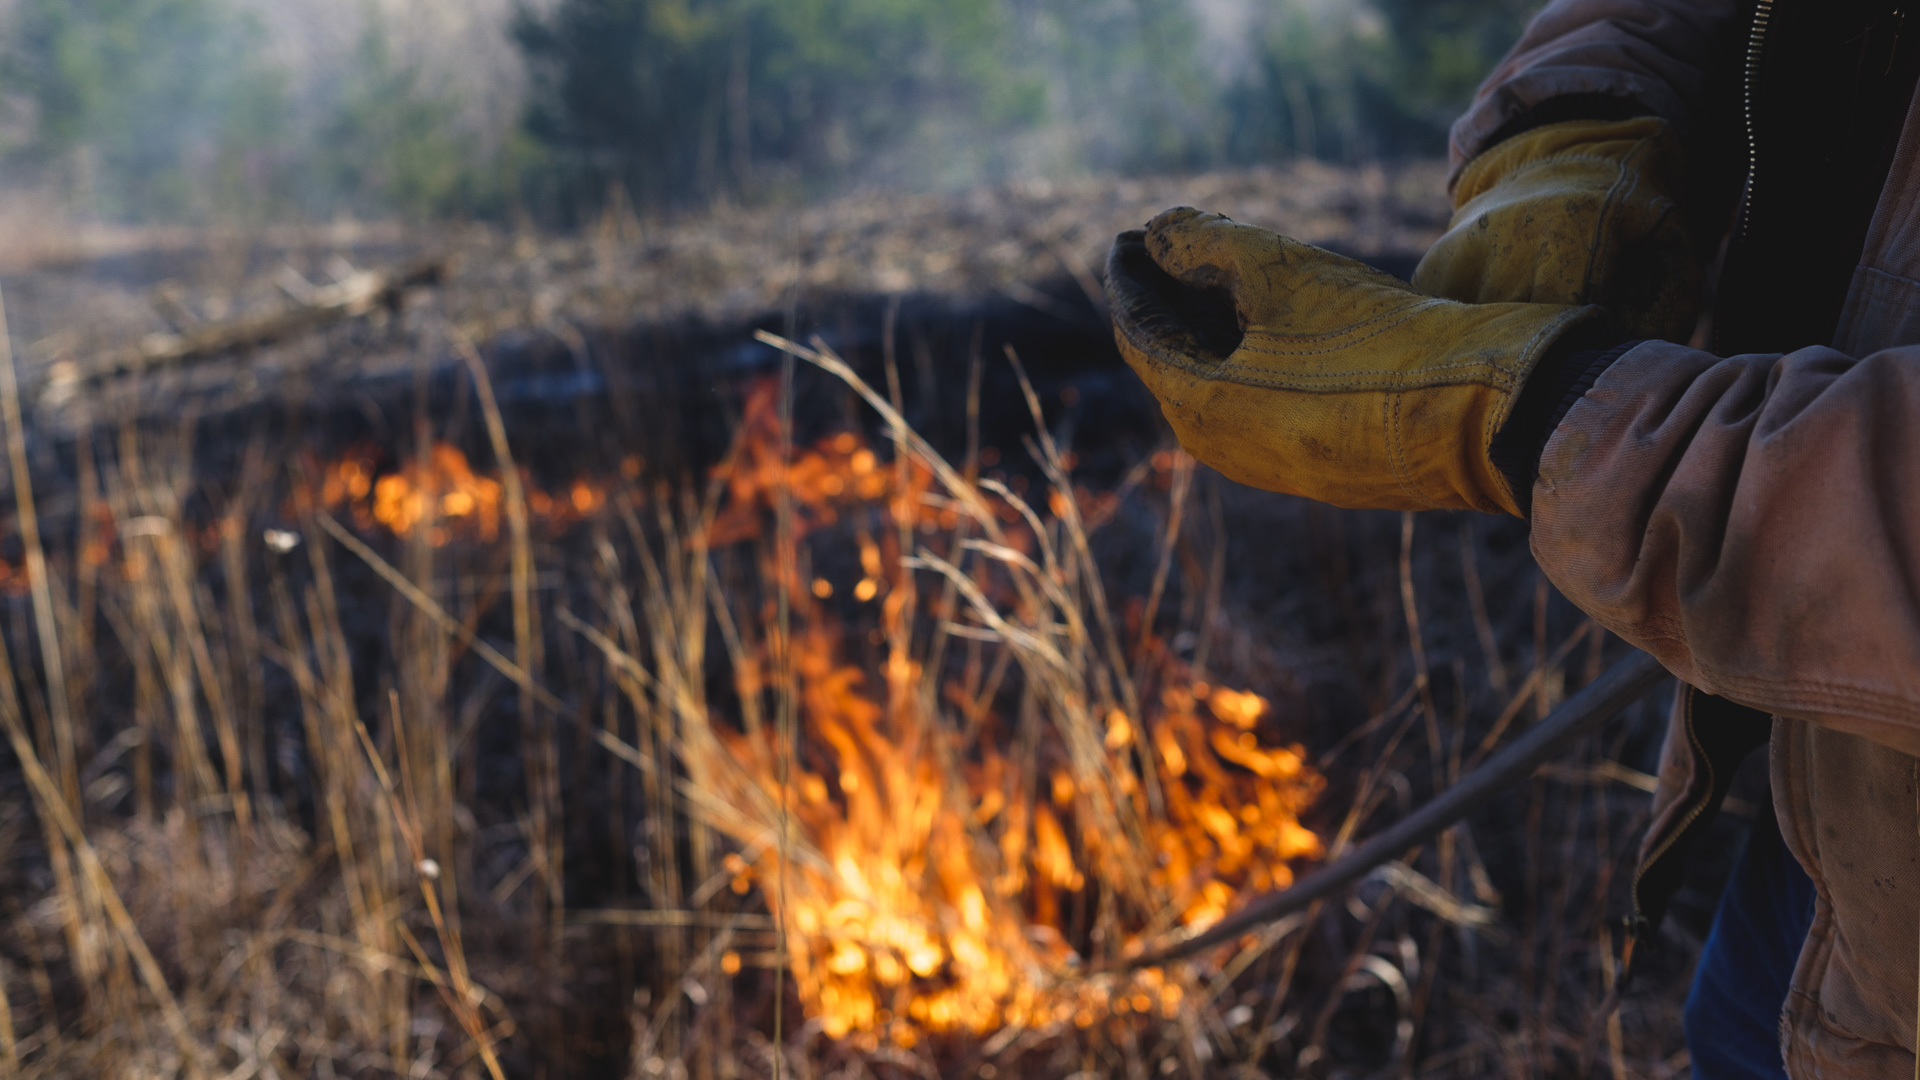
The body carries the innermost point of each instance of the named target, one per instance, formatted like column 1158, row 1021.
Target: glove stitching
column 1529, row 353
column 1399, row 315
column 1586, row 157
column 1342, row 343
column 1388, row 436
column 1596, row 269
column 1385, row 381
column 1618, row 195
column 1240, row 373
column 1497, row 417
column 1388, row 378
column 1345, row 337
column 1581, row 155
column 1396, row 448
column 1230, row 370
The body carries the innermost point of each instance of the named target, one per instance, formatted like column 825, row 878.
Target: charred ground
column 627, row 360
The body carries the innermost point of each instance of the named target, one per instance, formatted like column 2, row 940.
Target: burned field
column 542, row 670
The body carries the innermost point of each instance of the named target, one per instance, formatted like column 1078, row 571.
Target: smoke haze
column 202, row 110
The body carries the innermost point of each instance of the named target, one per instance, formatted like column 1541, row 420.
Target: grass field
column 476, row 741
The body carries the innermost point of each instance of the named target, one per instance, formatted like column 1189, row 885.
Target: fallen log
column 358, row 293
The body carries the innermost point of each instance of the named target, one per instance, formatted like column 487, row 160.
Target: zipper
column 1756, row 39
column 1640, row 922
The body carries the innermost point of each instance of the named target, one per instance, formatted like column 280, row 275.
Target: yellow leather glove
column 1290, row 368
column 1574, row 213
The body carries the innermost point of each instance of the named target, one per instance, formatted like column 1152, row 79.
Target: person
column 1745, row 507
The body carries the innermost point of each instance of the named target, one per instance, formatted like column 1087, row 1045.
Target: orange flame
column 824, row 480
column 945, row 877
column 921, row 908
column 937, row 872
column 447, row 498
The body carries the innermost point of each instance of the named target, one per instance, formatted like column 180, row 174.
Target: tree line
column 185, row 109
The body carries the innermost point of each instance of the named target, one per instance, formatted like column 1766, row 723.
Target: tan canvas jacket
column 1754, row 522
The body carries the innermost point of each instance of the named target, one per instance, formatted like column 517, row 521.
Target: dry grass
column 289, row 799
column 86, row 292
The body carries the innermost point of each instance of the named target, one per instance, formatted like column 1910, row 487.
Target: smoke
column 1230, row 33
column 458, row 50
column 185, row 110
column 171, row 110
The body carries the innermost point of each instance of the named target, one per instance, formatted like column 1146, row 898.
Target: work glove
column 1574, row 213
column 1293, row 369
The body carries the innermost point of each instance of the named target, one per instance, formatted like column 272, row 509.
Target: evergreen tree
column 168, row 109
column 678, row 100
column 389, row 143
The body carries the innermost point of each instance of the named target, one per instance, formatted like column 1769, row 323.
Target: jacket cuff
column 1463, row 151
column 1561, row 378
column 1559, row 110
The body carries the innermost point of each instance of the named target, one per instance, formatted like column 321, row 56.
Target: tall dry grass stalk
column 263, row 748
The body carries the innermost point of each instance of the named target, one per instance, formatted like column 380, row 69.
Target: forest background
column 539, row 111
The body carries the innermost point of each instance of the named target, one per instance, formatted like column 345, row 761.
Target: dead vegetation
column 851, row 755
column 97, row 301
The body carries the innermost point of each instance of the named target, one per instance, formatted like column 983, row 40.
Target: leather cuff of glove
column 1559, row 110
column 1562, row 378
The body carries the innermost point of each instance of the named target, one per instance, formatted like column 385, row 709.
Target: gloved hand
column 1290, row 368
column 1574, row 213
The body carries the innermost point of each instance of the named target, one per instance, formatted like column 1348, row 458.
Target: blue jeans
column 1740, row 987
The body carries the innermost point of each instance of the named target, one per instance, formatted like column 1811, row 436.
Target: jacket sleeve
column 1753, row 522
column 1677, row 59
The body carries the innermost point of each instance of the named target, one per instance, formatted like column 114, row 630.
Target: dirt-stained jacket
column 1754, row 522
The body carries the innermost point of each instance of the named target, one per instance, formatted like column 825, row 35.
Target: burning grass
column 937, row 869
column 844, row 761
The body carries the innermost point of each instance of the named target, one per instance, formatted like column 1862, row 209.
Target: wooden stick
column 356, row 295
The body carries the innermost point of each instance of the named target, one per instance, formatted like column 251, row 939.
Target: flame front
column 947, row 875
column 918, row 906
column 441, row 494
column 949, row 869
